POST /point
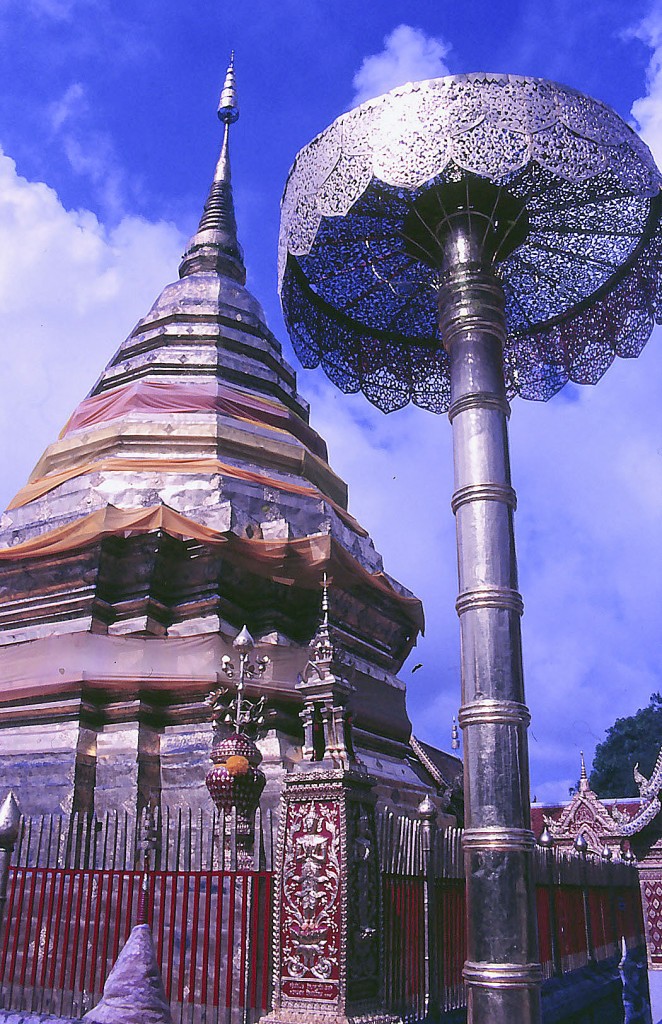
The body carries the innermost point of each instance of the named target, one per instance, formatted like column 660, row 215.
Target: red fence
column 404, row 944
column 66, row 920
column 585, row 906
column 64, row 929
column 575, row 926
column 449, row 943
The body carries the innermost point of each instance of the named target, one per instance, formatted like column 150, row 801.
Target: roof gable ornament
column 649, row 788
column 585, row 815
column 587, row 812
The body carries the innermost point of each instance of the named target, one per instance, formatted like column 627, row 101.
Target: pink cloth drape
column 194, row 396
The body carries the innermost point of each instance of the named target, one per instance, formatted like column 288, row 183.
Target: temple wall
column 50, row 770
column 59, row 767
column 128, row 767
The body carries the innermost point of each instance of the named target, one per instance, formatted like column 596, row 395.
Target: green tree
column 630, row 741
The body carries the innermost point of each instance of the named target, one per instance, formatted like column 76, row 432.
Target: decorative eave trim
column 428, row 764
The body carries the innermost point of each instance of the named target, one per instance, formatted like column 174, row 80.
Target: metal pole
column 428, row 816
column 581, row 846
column 550, row 855
column 502, row 972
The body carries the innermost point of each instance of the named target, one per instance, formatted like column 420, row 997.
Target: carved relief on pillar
column 326, row 955
column 651, row 892
column 311, row 902
column 649, row 857
column 363, row 966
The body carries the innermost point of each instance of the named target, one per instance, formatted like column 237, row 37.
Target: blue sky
column 109, row 137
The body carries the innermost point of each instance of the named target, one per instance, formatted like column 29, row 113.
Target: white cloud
column 60, row 10
column 70, row 291
column 90, row 152
column 647, row 111
column 70, row 105
column 409, row 55
column 48, row 10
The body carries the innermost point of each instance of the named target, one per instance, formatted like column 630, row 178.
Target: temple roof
column 601, row 820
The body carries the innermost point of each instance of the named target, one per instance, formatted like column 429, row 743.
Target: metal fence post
column 10, row 817
column 428, row 815
column 546, row 842
column 581, row 846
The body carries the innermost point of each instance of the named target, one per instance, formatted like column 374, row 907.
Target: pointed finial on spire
column 228, row 108
column 583, row 777
column 214, row 248
column 583, row 770
column 455, row 736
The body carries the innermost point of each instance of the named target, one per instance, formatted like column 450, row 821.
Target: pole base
column 290, row 1015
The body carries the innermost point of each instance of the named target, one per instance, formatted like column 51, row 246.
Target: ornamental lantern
column 235, row 781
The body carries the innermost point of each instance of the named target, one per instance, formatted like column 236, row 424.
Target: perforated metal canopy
column 581, row 279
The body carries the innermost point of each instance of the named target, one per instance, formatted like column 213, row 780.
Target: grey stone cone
column 133, row 993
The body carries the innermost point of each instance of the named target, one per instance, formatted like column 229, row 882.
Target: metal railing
column 585, row 907
column 185, row 840
column 72, row 899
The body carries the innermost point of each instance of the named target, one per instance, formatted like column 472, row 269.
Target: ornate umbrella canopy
column 574, row 192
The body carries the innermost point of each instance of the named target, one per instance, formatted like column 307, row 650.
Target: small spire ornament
column 321, row 645
column 228, row 107
column 326, row 691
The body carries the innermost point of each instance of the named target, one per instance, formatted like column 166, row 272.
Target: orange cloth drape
column 298, row 561
column 44, row 484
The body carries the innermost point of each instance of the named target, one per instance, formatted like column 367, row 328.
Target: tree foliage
column 632, row 740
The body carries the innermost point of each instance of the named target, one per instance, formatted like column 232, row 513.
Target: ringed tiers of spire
column 215, row 248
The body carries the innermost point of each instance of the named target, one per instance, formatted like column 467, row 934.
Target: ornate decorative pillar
column 502, row 972
column 327, row 961
column 494, row 195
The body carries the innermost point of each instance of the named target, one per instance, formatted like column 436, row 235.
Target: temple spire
column 214, row 248
column 583, row 777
